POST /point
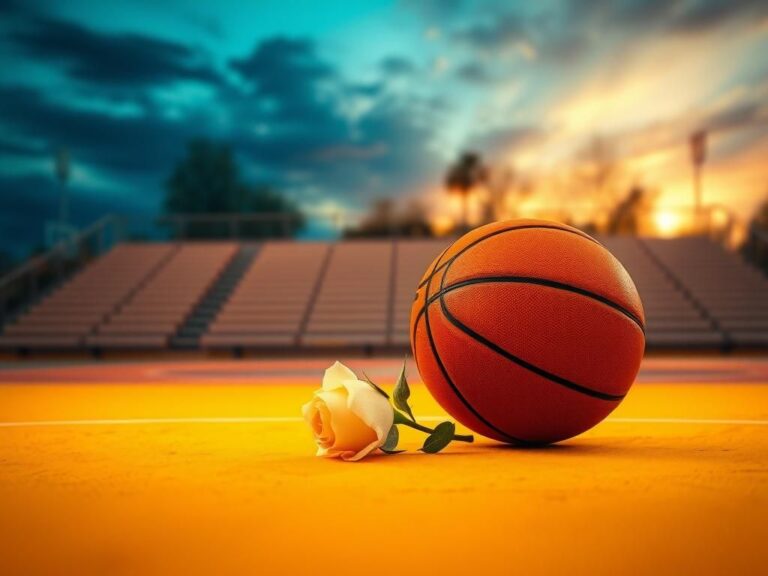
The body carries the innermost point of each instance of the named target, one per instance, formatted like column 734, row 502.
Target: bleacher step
column 196, row 324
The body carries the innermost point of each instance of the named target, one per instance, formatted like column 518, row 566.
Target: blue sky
column 339, row 103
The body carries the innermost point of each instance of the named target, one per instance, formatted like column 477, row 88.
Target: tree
column 463, row 177
column 755, row 247
column 384, row 220
column 207, row 181
column 627, row 216
column 414, row 221
column 760, row 219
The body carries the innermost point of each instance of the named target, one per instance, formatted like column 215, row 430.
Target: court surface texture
column 205, row 467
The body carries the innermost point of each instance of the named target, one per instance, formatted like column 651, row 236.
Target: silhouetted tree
column 463, row 177
column 208, row 181
column 384, row 220
column 414, row 221
column 755, row 246
column 760, row 219
column 627, row 216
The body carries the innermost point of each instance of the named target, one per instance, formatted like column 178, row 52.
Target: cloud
column 124, row 146
column 318, row 132
column 125, row 60
column 500, row 143
column 28, row 202
column 492, row 34
column 393, row 66
column 293, row 118
column 350, row 152
column 286, row 72
column 474, row 73
column 687, row 16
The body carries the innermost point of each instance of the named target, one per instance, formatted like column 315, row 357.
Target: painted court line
column 291, row 419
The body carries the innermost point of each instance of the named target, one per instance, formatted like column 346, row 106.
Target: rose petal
column 317, row 415
column 361, row 453
column 350, row 431
column 335, row 375
column 371, row 407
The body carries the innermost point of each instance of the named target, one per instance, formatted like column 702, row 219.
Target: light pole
column 62, row 169
column 698, row 143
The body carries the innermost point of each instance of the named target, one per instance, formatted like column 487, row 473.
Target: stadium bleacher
column 352, row 294
column 730, row 294
column 353, row 301
column 271, row 302
column 156, row 310
column 73, row 312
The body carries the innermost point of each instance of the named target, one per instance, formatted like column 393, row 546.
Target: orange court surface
column 205, row 467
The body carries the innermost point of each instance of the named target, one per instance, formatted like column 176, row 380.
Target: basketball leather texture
column 527, row 331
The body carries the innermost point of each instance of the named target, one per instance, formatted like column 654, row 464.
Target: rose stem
column 417, row 426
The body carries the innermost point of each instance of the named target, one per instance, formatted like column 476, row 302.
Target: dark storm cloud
column 474, row 72
column 309, row 134
column 397, row 66
column 126, row 60
column 124, row 146
column 17, row 148
column 130, row 158
column 290, row 117
column 286, row 72
column 28, row 202
column 208, row 24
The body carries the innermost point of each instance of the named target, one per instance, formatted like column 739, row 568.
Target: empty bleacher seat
column 154, row 313
column 272, row 299
column 67, row 316
column 732, row 294
column 357, row 294
column 353, row 304
column 672, row 318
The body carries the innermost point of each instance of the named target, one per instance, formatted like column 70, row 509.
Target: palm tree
column 463, row 176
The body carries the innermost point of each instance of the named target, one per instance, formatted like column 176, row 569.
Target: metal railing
column 26, row 283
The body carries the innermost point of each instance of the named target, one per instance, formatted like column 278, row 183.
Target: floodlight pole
column 698, row 142
column 62, row 168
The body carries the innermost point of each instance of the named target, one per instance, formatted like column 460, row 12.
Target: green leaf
column 393, row 437
column 440, row 438
column 379, row 390
column 401, row 393
column 391, row 451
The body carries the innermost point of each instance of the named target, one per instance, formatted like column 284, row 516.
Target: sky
column 336, row 104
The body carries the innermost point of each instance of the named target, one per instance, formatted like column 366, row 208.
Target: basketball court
column 205, row 467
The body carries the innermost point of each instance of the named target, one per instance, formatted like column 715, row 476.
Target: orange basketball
column 527, row 331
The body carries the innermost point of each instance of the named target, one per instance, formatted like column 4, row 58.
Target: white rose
column 348, row 418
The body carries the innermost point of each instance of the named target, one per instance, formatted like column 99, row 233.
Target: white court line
column 291, row 419
column 141, row 421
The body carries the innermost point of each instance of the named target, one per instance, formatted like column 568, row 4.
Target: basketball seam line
column 517, row 360
column 447, row 377
column 496, row 233
column 538, row 282
column 418, row 317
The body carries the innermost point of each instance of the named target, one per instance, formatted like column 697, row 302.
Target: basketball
column 527, row 331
